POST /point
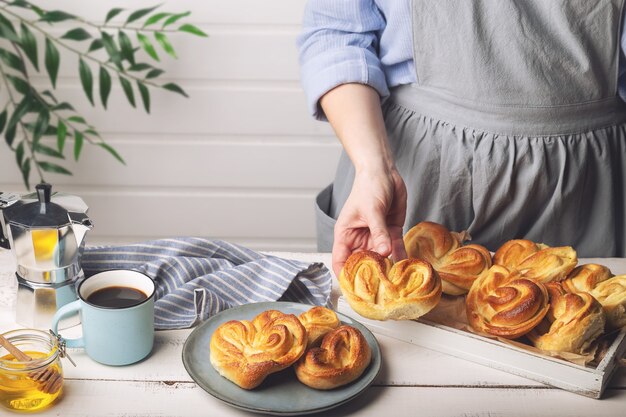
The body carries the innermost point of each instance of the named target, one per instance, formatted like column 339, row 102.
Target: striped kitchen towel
column 197, row 278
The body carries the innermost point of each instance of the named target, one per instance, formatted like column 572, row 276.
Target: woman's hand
column 372, row 217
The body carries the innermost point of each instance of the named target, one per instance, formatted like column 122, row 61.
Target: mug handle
column 64, row 311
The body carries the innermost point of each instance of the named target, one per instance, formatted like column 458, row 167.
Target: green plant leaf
column 56, row 16
column 50, row 167
column 112, row 151
column 25, row 168
column 7, row 30
column 41, row 125
column 12, row 60
column 61, row 136
column 95, row 45
column 19, row 153
column 155, row 18
column 165, row 44
column 193, row 30
column 174, row 19
column 9, row 135
column 145, row 95
column 3, row 120
column 46, row 150
column 126, row 47
column 175, row 88
column 52, row 60
column 154, row 73
column 63, row 106
column 29, row 45
column 77, row 34
column 19, row 112
column 21, row 3
column 140, row 13
column 105, row 86
column 20, row 85
column 86, row 79
column 147, row 46
column 78, row 144
column 77, row 119
column 128, row 90
column 140, row 67
column 112, row 49
column 49, row 94
column 112, row 13
column 92, row 132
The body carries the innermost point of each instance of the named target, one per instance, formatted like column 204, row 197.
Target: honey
column 20, row 389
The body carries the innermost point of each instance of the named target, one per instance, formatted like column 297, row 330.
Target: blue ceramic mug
column 116, row 311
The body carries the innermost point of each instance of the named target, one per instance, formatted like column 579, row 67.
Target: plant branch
column 24, row 130
column 80, row 53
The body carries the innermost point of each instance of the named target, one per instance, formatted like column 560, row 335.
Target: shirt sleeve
column 338, row 44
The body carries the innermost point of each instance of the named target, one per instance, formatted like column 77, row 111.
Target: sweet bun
column 318, row 321
column 577, row 319
column 536, row 261
column 378, row 290
column 611, row 294
column 458, row 266
column 342, row 357
column 246, row 352
column 584, row 278
column 504, row 305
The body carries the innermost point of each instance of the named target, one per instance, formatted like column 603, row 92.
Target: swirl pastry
column 341, row 359
column 577, row 320
column 458, row 266
column 536, row 261
column 611, row 293
column 504, row 305
column 378, row 290
column 318, row 321
column 246, row 352
column 584, row 278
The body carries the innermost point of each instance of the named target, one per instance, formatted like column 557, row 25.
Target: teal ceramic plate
column 281, row 393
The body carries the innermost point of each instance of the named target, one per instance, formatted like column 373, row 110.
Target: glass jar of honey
column 30, row 385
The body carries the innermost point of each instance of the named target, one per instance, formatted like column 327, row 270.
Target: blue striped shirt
column 367, row 42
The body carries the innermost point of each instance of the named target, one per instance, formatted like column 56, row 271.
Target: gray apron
column 514, row 128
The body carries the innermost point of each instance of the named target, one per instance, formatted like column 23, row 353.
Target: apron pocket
column 325, row 224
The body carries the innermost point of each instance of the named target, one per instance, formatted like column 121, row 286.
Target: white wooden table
column 413, row 380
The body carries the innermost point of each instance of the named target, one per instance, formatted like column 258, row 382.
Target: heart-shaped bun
column 458, row 266
column 318, row 321
column 246, row 352
column 342, row 357
column 378, row 290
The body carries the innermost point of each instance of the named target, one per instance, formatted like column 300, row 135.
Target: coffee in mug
column 116, row 310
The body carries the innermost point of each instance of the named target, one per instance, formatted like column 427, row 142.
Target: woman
column 499, row 117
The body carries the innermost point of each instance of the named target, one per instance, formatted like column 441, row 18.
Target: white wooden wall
column 240, row 160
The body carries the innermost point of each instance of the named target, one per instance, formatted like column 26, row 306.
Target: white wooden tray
column 583, row 380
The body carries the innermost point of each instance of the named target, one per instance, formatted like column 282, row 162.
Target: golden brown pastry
column 501, row 304
column 318, row 321
column 513, row 252
column 577, row 320
column 458, row 266
column 584, row 278
column 611, row 293
column 341, row 359
column 378, row 290
column 246, row 352
column 536, row 261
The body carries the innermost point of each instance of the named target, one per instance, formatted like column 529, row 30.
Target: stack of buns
column 526, row 288
column 324, row 353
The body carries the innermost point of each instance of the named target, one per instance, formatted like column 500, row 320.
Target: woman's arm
column 374, row 213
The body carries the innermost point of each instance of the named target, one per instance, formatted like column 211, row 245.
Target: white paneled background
column 240, row 160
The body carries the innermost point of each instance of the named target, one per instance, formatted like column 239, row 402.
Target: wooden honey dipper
column 49, row 379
